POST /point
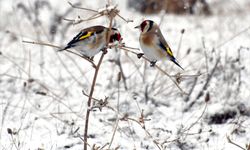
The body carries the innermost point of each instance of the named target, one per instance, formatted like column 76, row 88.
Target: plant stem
column 89, row 101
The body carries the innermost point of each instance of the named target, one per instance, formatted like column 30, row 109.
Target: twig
column 191, row 89
column 205, row 53
column 58, row 47
column 160, row 69
column 231, row 142
column 110, row 13
column 209, row 77
column 233, row 37
column 13, row 140
column 85, row 94
column 42, row 43
column 93, row 85
column 126, row 20
column 75, row 21
column 142, row 126
column 199, row 118
column 239, row 75
column 104, row 146
column 73, row 6
column 118, row 62
column 118, row 111
column 180, row 42
column 89, row 101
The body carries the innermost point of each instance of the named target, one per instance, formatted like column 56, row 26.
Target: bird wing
column 84, row 34
column 81, row 36
column 163, row 44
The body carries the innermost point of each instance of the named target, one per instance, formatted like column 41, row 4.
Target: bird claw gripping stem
column 139, row 55
column 104, row 50
column 152, row 63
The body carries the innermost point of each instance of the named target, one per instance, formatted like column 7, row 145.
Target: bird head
column 146, row 26
column 115, row 36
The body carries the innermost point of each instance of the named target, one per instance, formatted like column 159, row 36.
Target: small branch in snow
column 156, row 66
column 73, row 6
column 141, row 122
column 231, row 142
column 233, row 37
column 205, row 86
column 110, row 11
column 58, row 47
column 87, row 119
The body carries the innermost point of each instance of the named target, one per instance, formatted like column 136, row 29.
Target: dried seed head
column 182, row 31
column 207, row 97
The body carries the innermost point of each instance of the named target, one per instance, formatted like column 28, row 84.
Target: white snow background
column 41, row 100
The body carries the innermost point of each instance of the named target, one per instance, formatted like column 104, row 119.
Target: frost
column 42, row 105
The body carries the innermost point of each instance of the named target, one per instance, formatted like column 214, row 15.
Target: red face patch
column 143, row 25
column 118, row 36
column 115, row 37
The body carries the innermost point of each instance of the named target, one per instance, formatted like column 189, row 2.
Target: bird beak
column 137, row 27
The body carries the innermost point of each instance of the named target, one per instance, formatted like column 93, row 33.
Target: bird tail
column 64, row 48
column 175, row 61
column 61, row 50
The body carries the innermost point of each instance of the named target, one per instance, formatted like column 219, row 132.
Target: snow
column 56, row 119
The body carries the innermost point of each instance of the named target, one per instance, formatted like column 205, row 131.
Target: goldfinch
column 153, row 43
column 92, row 40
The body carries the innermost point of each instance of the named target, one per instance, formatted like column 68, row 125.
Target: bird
column 153, row 44
column 92, row 40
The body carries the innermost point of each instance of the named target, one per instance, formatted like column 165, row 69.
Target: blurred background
column 43, row 92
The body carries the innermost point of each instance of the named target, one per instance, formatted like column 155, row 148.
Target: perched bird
column 153, row 43
column 92, row 40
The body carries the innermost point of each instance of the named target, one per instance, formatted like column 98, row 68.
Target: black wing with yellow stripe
column 170, row 54
column 84, row 34
column 166, row 48
column 80, row 36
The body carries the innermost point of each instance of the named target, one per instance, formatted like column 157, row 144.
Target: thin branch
column 126, row 20
column 191, row 89
column 198, row 119
column 89, row 101
column 205, row 53
column 115, row 129
column 118, row 109
column 94, row 83
column 143, row 127
column 233, row 37
column 75, row 21
column 58, row 47
column 209, row 77
column 156, row 66
column 231, row 142
column 73, row 6
column 42, row 43
column 180, row 41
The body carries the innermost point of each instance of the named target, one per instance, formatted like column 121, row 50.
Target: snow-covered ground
column 41, row 100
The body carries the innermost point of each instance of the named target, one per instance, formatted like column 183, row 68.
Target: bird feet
column 91, row 58
column 104, row 50
column 152, row 63
column 139, row 55
column 88, row 58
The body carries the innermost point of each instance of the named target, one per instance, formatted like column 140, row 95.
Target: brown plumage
column 92, row 39
column 153, row 44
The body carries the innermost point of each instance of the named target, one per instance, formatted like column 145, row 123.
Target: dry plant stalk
column 111, row 12
column 156, row 66
column 231, row 142
column 58, row 47
column 111, row 16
